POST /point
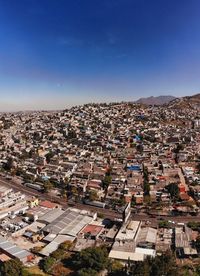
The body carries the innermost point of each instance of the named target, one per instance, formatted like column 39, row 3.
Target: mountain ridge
column 159, row 100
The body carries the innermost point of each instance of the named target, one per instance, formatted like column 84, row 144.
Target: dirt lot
column 24, row 243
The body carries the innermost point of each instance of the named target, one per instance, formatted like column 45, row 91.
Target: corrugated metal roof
column 51, row 215
column 147, row 234
column 52, row 246
column 68, row 223
column 12, row 249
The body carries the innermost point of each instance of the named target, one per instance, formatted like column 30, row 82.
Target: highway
column 17, row 186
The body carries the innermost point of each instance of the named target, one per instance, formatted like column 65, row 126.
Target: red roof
column 48, row 204
column 94, row 184
column 92, row 229
column 184, row 196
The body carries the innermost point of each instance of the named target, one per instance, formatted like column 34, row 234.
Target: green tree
column 9, row 165
column 197, row 243
column 178, row 148
column 194, row 225
column 146, row 188
column 58, row 254
column 106, row 181
column 164, row 224
column 141, row 268
column 49, row 156
column 47, row 186
column 87, row 272
column 92, row 195
column 146, row 174
column 116, row 268
column 198, row 167
column 160, row 265
column 11, row 267
column 95, row 258
column 46, row 264
column 164, row 265
column 67, row 245
column 146, row 185
column 173, row 189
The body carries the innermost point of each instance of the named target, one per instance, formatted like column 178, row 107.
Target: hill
column 188, row 102
column 160, row 100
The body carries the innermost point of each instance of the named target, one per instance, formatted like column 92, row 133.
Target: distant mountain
column 160, row 100
column 188, row 102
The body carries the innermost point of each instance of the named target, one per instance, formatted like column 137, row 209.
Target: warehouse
column 71, row 222
column 51, row 215
column 14, row 251
column 54, row 244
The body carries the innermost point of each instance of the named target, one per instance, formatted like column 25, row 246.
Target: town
column 120, row 176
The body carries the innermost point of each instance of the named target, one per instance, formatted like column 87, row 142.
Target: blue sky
column 58, row 53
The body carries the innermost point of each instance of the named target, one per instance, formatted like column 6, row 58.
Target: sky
column 59, row 53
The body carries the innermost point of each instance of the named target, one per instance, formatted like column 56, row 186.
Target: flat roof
column 146, row 251
column 128, row 231
column 125, row 256
column 12, row 249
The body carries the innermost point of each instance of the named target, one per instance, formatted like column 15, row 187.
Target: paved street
column 107, row 213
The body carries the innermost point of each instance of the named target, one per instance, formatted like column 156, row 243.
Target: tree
column 9, row 165
column 194, row 225
column 92, row 195
column 141, row 268
column 47, row 186
column 116, row 268
column 106, row 181
column 146, row 174
column 173, row 189
column 160, row 265
column 178, row 148
column 36, row 249
column 60, row 270
column 95, row 258
column 87, row 272
column 198, row 167
column 164, row 224
column 139, row 148
column 74, row 191
column 67, row 245
column 49, row 156
column 46, row 264
column 197, row 243
column 11, row 267
column 164, row 265
column 146, row 186
column 58, row 254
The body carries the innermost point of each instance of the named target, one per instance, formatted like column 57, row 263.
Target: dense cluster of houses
column 110, row 156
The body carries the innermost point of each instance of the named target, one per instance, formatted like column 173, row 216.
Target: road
column 182, row 179
column 16, row 186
